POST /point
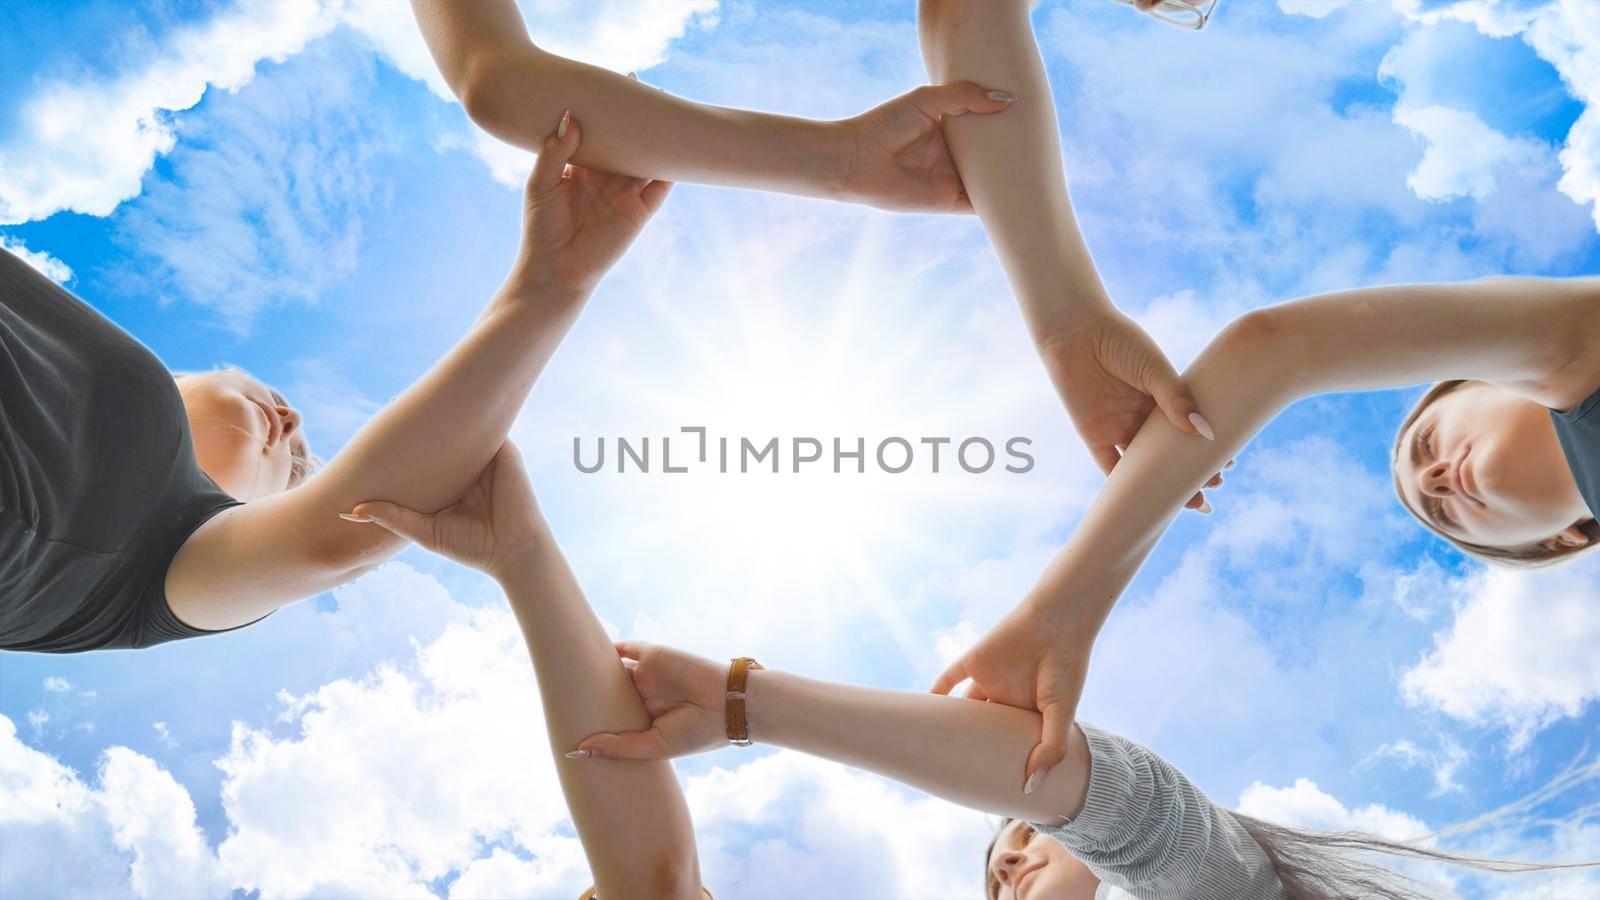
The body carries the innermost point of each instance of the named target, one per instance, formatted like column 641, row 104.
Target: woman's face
column 1484, row 465
column 1027, row 865
column 246, row 436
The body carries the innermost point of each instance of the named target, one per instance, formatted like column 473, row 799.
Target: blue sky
column 287, row 187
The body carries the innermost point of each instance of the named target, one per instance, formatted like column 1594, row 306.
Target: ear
column 1569, row 539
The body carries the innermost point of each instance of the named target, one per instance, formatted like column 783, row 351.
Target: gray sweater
column 1148, row 830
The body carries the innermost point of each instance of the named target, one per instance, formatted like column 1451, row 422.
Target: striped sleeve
column 1147, row 829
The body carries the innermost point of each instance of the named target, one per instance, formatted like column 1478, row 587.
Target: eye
column 1427, row 441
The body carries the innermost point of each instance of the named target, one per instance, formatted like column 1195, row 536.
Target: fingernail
column 1205, row 508
column 1201, row 425
column 1122, row 449
column 351, row 517
column 561, row 130
column 1033, row 781
column 1002, row 96
column 579, row 754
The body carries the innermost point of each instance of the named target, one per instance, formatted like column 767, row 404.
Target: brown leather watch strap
column 738, row 724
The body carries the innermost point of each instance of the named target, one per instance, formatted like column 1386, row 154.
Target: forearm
column 518, row 92
column 429, row 444
column 1536, row 335
column 965, row 751
column 630, row 815
column 1242, row 380
column 1011, row 165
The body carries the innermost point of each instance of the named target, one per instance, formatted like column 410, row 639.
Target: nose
column 1007, row 865
column 290, row 417
column 1438, row 480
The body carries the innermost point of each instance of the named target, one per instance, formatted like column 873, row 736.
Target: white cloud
column 1444, row 763
column 84, row 145
column 1566, row 35
column 386, row 784
column 1304, row 805
column 262, row 203
column 843, row 833
column 1316, row 9
column 57, row 685
column 131, row 833
column 1463, row 154
column 48, row 266
column 1519, row 653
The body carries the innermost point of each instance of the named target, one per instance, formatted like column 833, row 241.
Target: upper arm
column 465, row 35
column 1524, row 333
column 249, row 560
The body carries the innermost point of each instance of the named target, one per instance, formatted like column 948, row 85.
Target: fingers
column 959, row 97
column 627, row 745
column 555, row 154
column 407, row 523
column 1052, row 746
column 654, row 194
column 976, row 693
column 631, row 649
column 949, row 678
column 1177, row 404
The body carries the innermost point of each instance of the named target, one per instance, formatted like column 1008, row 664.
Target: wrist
column 520, row 564
column 762, row 699
column 532, row 284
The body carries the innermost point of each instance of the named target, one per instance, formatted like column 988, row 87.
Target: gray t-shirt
column 99, row 486
column 1579, row 431
column 1148, row 830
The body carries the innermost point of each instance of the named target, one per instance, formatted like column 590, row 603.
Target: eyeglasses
column 1191, row 14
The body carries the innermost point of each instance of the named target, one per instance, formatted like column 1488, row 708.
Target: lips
column 1024, row 878
column 1465, row 483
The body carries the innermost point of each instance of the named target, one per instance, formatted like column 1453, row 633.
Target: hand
column 1030, row 662
column 685, row 696
column 899, row 158
column 493, row 522
column 577, row 222
column 1111, row 375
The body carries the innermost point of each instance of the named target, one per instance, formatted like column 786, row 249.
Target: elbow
column 1270, row 330
column 1270, row 342
column 487, row 87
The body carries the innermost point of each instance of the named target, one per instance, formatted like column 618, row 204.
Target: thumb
column 407, row 523
column 1052, row 746
column 959, row 97
column 625, row 745
column 554, row 155
column 1176, row 402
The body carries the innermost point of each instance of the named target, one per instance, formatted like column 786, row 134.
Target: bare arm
column 631, row 816
column 1109, row 373
column 1536, row 335
column 963, row 751
column 430, row 443
column 517, row 91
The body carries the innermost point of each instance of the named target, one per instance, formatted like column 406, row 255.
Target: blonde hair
column 1526, row 556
